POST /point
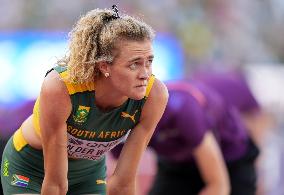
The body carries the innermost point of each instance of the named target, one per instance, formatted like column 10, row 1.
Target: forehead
column 128, row 49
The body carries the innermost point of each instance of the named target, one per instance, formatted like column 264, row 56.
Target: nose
column 145, row 73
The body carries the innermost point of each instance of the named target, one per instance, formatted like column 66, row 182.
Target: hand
column 116, row 187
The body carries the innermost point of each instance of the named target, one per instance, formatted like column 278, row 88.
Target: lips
column 144, row 84
column 141, row 85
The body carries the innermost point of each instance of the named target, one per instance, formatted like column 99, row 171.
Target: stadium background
column 191, row 35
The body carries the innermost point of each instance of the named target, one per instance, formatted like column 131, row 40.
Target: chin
column 138, row 96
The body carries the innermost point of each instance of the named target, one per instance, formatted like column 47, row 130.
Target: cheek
column 123, row 80
column 122, row 76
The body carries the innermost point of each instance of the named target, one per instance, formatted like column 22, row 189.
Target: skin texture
column 128, row 77
column 134, row 58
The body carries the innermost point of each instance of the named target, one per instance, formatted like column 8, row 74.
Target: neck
column 106, row 96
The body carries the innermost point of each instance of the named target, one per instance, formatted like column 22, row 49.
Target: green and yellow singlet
column 91, row 132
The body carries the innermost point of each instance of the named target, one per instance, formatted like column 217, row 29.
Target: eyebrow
column 138, row 58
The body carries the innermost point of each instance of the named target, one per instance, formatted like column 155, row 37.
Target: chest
column 91, row 132
column 88, row 122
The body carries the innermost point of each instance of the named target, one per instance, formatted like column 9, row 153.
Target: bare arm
column 55, row 107
column 212, row 167
column 258, row 123
column 123, row 179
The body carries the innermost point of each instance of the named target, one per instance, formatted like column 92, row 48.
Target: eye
column 150, row 62
column 133, row 66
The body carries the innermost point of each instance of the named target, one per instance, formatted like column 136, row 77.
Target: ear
column 104, row 67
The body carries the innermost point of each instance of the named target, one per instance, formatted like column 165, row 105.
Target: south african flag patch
column 81, row 114
column 20, row 181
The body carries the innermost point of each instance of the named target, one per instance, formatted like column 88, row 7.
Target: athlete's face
column 131, row 69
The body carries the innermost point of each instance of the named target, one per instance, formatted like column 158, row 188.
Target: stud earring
column 106, row 74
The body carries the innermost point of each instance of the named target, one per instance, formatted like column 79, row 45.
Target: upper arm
column 55, row 104
column 209, row 151
column 154, row 107
column 54, row 108
column 139, row 137
column 152, row 112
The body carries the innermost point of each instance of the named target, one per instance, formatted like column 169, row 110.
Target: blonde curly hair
column 93, row 39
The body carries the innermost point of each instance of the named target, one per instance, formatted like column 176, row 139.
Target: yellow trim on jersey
column 150, row 84
column 36, row 117
column 19, row 140
column 75, row 88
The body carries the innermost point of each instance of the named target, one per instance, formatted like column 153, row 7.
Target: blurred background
column 192, row 35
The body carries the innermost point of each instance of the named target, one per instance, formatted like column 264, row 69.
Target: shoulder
column 54, row 92
column 53, row 84
column 159, row 91
column 156, row 102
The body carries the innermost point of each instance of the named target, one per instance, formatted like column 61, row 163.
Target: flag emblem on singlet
column 19, row 180
column 81, row 114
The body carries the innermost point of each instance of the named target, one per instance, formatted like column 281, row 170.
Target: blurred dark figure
column 235, row 90
column 181, row 143
column 10, row 121
column 12, row 118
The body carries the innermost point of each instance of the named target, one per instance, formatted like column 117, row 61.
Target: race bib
column 91, row 150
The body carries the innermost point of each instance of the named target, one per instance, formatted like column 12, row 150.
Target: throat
column 106, row 104
column 106, row 97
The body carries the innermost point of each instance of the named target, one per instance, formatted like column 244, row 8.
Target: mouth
column 138, row 86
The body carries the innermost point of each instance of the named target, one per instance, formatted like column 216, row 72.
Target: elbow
column 221, row 186
column 63, row 188
column 219, row 189
column 226, row 190
column 54, row 187
column 225, row 187
column 223, row 181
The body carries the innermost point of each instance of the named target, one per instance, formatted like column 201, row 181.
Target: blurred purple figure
column 234, row 89
column 12, row 118
column 194, row 111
